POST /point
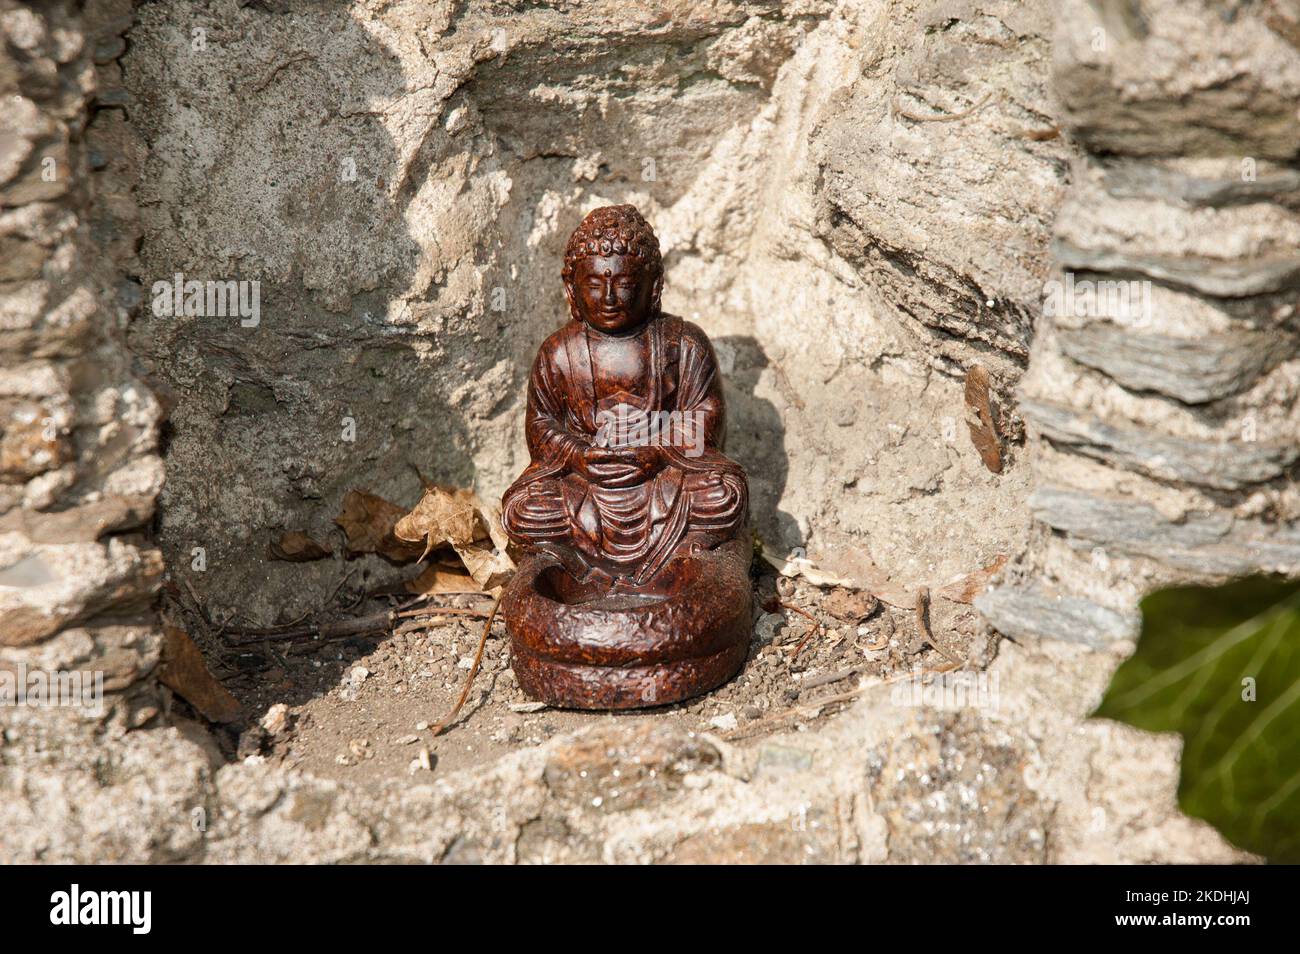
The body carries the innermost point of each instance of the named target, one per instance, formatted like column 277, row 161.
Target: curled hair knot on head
column 614, row 230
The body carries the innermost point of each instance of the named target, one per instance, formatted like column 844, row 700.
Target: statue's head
column 613, row 272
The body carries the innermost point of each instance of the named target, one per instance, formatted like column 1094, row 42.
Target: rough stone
column 1194, row 371
column 1028, row 612
column 1179, row 77
column 1223, row 465
column 1207, row 544
column 398, row 177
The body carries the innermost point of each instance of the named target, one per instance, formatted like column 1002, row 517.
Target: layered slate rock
column 1179, row 77
column 942, row 191
column 79, row 469
column 1161, row 394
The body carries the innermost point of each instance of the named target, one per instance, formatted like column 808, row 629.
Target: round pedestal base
column 686, row 634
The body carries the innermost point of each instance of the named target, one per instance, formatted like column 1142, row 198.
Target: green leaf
column 1201, row 654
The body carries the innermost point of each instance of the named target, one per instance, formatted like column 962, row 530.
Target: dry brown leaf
column 966, row 587
column 444, row 517
column 440, row 579
column 489, row 567
column 296, row 547
column 368, row 521
column 801, row 567
column 850, row 605
column 457, row 518
column 856, row 567
column 491, row 516
column 853, row 568
column 980, row 418
column 183, row 670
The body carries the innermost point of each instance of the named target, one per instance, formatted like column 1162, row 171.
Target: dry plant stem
column 337, row 630
column 940, row 117
column 923, row 625
column 469, row 681
column 817, row 626
column 377, row 622
column 800, row 610
column 442, row 611
column 810, row 710
column 826, row 679
column 198, row 604
column 422, row 625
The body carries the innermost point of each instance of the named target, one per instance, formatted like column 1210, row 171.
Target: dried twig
column 198, row 603
column 772, row 605
column 810, row 710
column 335, row 592
column 940, row 117
column 827, row 678
column 807, row 710
column 477, row 611
column 376, row 622
column 469, row 681
column 418, row 624
column 328, row 600
column 923, row 625
column 817, row 628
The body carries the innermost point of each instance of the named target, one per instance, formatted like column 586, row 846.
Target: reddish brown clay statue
column 635, row 590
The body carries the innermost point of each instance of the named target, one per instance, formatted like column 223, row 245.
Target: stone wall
column 79, row 466
column 1165, row 427
column 858, row 202
column 400, row 179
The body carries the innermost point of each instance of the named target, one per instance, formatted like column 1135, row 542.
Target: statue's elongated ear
column 657, row 292
column 568, row 295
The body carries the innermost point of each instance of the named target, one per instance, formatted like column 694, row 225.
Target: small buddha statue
column 625, row 419
column 634, row 590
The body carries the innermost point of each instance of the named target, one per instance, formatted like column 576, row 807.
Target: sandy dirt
column 361, row 708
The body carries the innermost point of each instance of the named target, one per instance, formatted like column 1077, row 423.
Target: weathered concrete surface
column 947, row 214
column 409, row 298
column 1018, row 780
column 399, row 178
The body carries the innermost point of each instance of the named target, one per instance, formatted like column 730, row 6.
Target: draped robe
column 629, row 530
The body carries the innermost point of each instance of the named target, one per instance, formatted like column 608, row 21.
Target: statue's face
column 613, row 293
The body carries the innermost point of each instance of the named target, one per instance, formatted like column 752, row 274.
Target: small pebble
column 421, row 763
column 276, row 719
